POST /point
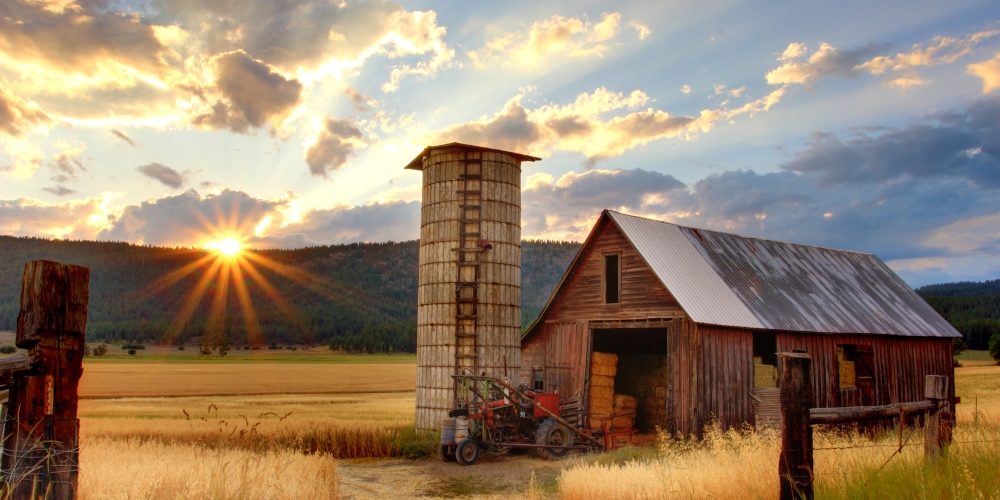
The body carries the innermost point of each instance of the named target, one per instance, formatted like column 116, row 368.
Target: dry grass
column 744, row 465
column 155, row 378
column 133, row 469
column 344, row 426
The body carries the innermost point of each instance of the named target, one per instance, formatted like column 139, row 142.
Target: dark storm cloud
column 254, row 94
column 332, row 147
column 162, row 173
column 965, row 145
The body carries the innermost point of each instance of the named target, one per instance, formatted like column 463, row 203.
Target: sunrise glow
column 229, row 247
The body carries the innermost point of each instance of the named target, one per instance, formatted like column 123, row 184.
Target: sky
column 855, row 125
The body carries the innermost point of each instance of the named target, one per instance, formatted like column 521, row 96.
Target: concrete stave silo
column 469, row 295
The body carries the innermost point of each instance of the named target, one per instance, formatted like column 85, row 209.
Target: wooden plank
column 848, row 414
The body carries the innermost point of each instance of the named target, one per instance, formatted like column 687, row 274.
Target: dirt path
column 431, row 478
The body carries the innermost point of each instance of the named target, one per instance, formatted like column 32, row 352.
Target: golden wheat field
column 286, row 445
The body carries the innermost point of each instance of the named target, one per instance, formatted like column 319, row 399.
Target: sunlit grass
column 130, row 468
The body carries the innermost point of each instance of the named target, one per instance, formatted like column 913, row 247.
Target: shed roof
column 731, row 280
column 418, row 163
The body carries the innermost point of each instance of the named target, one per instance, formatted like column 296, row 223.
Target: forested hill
column 361, row 297
column 972, row 308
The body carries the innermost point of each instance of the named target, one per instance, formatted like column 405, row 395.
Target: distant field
column 150, row 378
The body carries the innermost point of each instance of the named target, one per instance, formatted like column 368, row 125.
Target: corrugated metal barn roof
column 730, row 280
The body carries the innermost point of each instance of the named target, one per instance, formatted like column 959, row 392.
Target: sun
column 228, row 247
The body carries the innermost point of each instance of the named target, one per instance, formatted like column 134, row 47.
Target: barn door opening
column 641, row 373
column 856, row 374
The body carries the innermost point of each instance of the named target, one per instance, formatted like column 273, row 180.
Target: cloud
column 685, row 89
column 956, row 146
column 59, row 190
column 826, row 61
column 601, row 124
column 923, row 197
column 641, row 30
column 988, row 71
column 397, row 221
column 334, row 144
column 190, row 219
column 77, row 219
column 121, row 135
column 163, row 174
column 416, row 33
column 554, row 38
column 67, row 165
column 941, row 50
column 360, row 101
column 81, row 38
column 254, row 94
column 16, row 116
column 899, row 69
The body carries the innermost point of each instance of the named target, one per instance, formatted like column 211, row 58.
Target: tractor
column 493, row 417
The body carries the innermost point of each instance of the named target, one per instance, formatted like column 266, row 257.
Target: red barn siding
column 642, row 294
column 561, row 349
column 901, row 363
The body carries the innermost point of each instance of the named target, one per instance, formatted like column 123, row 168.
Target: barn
column 694, row 319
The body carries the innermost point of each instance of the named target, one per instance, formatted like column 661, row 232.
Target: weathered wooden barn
column 696, row 317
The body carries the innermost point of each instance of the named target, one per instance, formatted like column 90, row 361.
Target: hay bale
column 602, row 399
column 603, row 364
column 623, row 422
column 597, row 420
column 765, row 376
column 625, row 404
column 602, row 381
column 847, row 374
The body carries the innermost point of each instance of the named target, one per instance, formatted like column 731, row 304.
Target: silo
column 469, row 288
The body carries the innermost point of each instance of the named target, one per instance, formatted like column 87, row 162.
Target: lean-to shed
column 696, row 317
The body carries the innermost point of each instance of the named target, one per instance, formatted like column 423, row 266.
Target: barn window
column 847, row 355
column 612, row 279
column 538, row 379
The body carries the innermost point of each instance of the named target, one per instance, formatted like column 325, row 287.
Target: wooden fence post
column 795, row 466
column 935, row 431
column 41, row 452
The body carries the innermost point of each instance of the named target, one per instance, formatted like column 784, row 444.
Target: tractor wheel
column 553, row 433
column 467, row 452
column 446, row 453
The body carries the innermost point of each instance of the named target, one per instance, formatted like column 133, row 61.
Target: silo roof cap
column 418, row 163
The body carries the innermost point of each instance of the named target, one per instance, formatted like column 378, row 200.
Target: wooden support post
column 936, row 429
column 41, row 452
column 795, row 466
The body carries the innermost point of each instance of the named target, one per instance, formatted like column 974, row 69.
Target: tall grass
column 743, row 464
column 133, row 469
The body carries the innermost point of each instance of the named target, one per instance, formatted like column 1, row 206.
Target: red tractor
column 493, row 417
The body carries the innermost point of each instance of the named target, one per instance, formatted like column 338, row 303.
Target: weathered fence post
column 795, row 466
column 935, row 431
column 41, row 452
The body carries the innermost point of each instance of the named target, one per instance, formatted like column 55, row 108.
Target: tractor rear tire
column 551, row 433
column 467, row 452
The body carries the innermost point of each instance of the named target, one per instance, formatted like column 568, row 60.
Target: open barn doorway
column 642, row 370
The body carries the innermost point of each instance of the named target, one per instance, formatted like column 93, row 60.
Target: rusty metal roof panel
column 727, row 279
column 684, row 271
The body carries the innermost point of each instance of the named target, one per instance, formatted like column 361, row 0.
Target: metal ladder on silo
column 467, row 259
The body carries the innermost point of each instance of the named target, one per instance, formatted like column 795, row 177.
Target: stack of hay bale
column 603, row 368
column 847, row 374
column 764, row 375
column 623, row 413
